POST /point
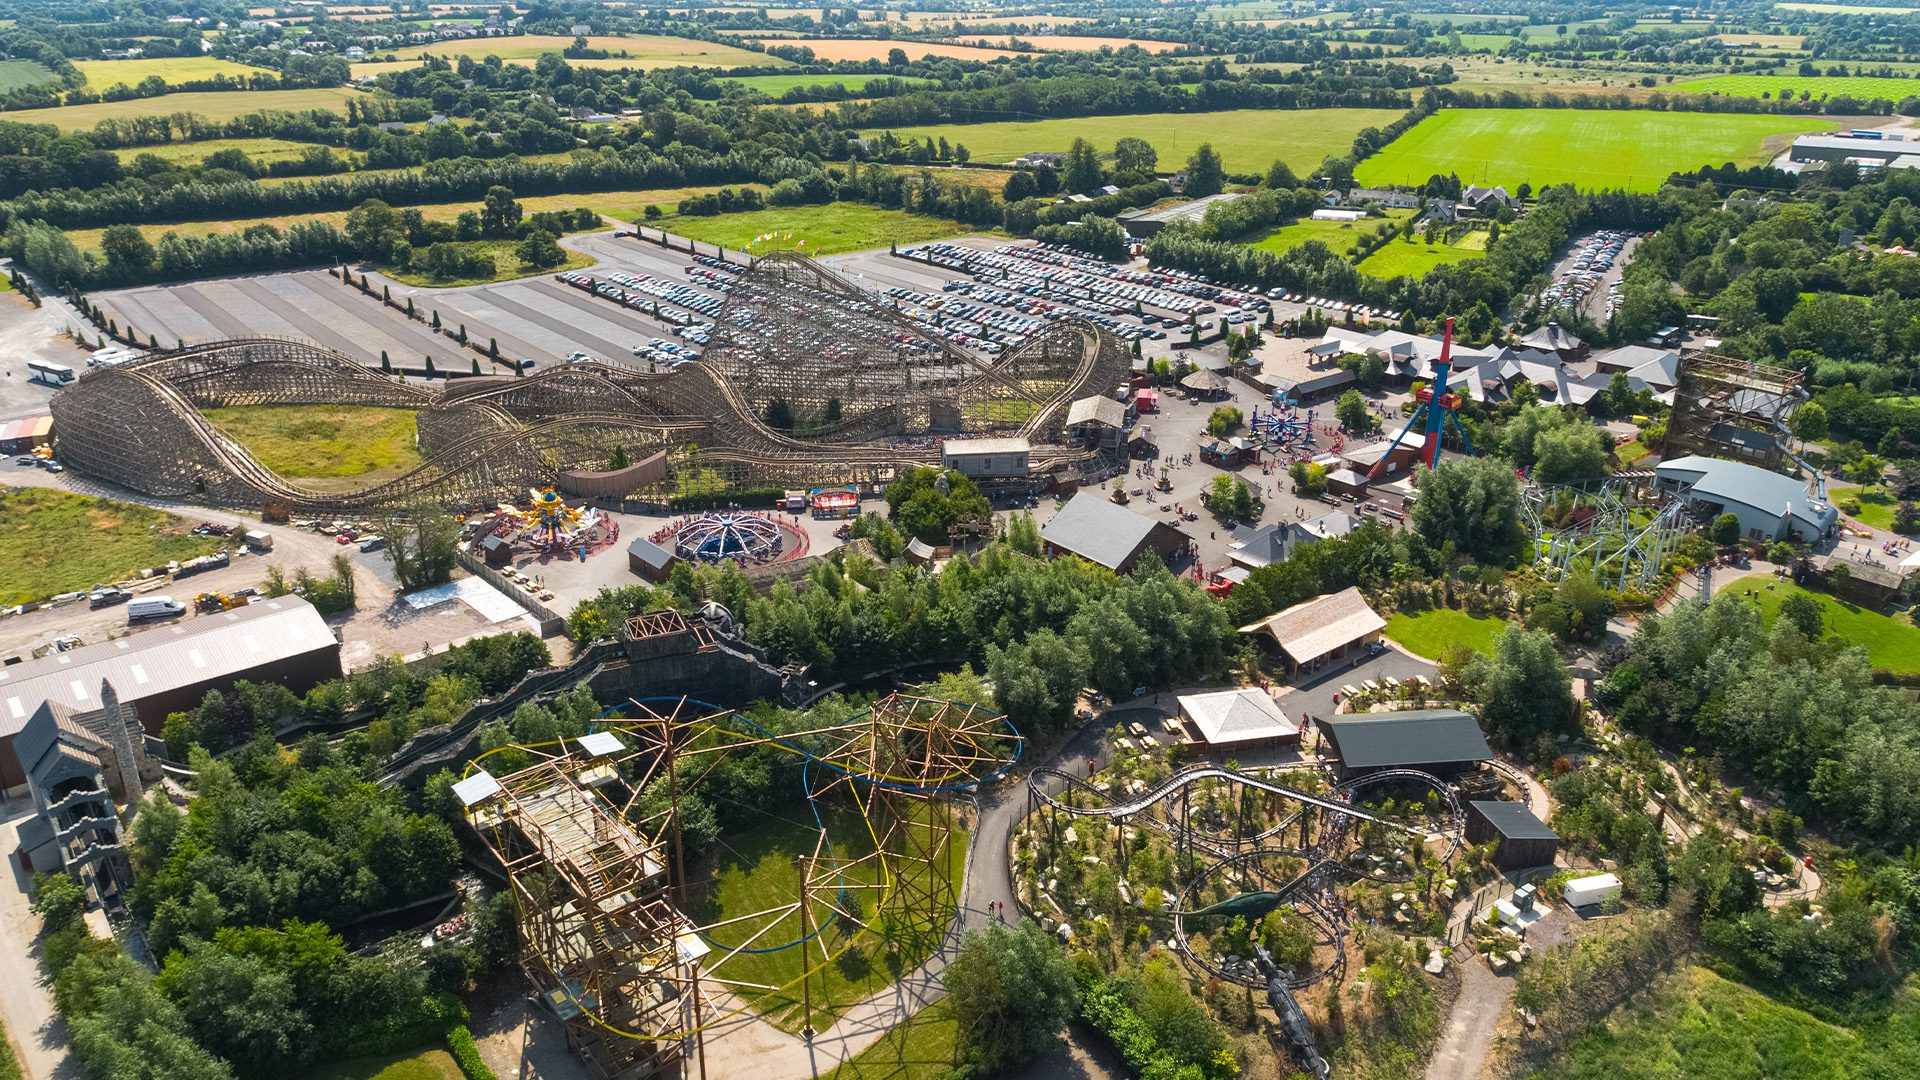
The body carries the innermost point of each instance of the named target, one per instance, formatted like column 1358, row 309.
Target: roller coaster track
column 1172, row 784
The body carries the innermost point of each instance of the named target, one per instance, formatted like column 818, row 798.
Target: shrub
column 467, row 1055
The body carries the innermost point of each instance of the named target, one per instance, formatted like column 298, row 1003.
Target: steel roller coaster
column 1296, row 862
column 588, row 832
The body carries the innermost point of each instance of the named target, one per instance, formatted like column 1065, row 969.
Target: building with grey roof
column 1440, row 741
column 1525, row 840
column 1770, row 506
column 1870, row 151
column 73, row 772
column 1144, row 223
column 1245, row 719
column 170, row 668
column 1107, row 534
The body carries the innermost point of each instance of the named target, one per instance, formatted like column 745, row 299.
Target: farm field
column 1695, row 1023
column 1491, row 42
column 20, row 74
column 642, row 53
column 1863, row 87
column 1786, row 42
column 55, row 541
column 262, row 150
column 214, row 105
column 1436, row 632
column 1586, row 148
column 833, row 49
column 173, row 70
column 1850, row 9
column 816, row 230
column 1248, row 139
column 319, row 442
column 1892, row 644
column 1414, row 259
column 1337, row 235
column 1069, row 42
column 775, row 85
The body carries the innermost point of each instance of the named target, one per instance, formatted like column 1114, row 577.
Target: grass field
column 1337, row 235
column 833, row 49
column 419, row 1065
column 1587, row 148
column 1696, row 1024
column 755, row 872
column 1247, row 139
column 214, row 105
column 319, row 442
column 1863, row 87
column 1401, row 258
column 54, row 541
column 1434, row 633
column 265, row 151
column 641, row 52
column 826, row 230
column 1850, row 9
column 172, row 70
column 1892, row 644
column 1876, row 505
column 1490, row 42
column 1067, row 42
column 1781, row 42
column 506, row 263
column 775, row 85
column 920, row 1049
column 20, row 74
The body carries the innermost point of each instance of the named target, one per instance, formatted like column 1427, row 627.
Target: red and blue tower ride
column 1433, row 407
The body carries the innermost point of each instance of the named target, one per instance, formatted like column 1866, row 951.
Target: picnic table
column 1348, row 690
column 1371, row 685
column 1137, row 728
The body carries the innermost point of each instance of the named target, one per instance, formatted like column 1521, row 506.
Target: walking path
column 38, row 1034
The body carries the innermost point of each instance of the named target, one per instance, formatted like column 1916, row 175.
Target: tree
column 1134, row 161
column 1012, row 991
column 779, row 415
column 1224, row 421
column 1810, row 422
column 1083, row 168
column 1620, row 397
column 1523, row 688
column 1577, row 451
column 928, row 504
column 1280, row 177
column 1351, row 410
column 1725, row 530
column 1472, row 503
column 127, row 249
column 499, row 212
column 59, row 900
column 1230, row 497
column 1037, row 682
column 1803, row 612
column 541, row 249
column 1309, row 477
column 421, row 544
column 372, row 228
column 1205, row 174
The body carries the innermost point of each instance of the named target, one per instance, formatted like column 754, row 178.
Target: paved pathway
column 38, row 1035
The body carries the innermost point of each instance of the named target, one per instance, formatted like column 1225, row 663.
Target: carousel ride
column 622, row 942
column 1282, row 427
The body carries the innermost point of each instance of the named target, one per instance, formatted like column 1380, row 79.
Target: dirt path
column 38, row 1035
column 1462, row 1054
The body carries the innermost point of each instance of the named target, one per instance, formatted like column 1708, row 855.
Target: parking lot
column 1587, row 277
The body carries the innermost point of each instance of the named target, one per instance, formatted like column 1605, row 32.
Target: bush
column 467, row 1055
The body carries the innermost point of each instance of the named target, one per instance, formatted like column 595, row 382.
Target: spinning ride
column 547, row 524
column 748, row 537
column 1286, row 430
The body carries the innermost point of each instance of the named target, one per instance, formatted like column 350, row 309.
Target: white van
column 149, row 608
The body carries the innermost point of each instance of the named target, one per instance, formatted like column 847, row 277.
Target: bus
column 52, row 374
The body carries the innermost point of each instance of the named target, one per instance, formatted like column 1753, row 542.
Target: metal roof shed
column 1432, row 740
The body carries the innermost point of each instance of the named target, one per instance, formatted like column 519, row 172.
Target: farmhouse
column 1525, row 840
column 1108, row 535
column 1865, row 151
column 1323, row 630
column 1770, row 506
column 170, row 668
column 1389, row 197
column 1239, row 720
column 1445, row 742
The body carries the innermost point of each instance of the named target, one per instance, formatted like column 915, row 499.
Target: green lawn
column 307, row 442
column 1876, row 505
column 755, row 871
column 1416, row 258
column 1696, row 1024
column 775, row 85
column 172, row 70
column 20, row 74
column 1249, row 140
column 1863, row 87
column 1892, row 643
column 419, row 1065
column 54, row 541
column 1490, row 42
column 506, row 263
column 212, row 104
column 1589, row 148
column 920, row 1049
column 1434, row 633
column 815, row 230
column 1337, row 235
column 264, row 150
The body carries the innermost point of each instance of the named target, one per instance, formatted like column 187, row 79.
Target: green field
column 172, row 70
column 212, row 104
column 1337, row 235
column 1892, row 643
column 1412, row 260
column 1490, row 42
column 1849, row 9
column 825, row 230
column 1876, row 505
column 9, row 1065
column 419, row 1065
column 1590, row 149
column 20, row 74
column 265, row 151
column 775, row 85
column 1248, row 140
column 54, row 541
column 1434, row 633
column 756, row 872
column 1696, row 1024
column 1863, row 87
column 506, row 264
column 919, row 1049
column 316, row 442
